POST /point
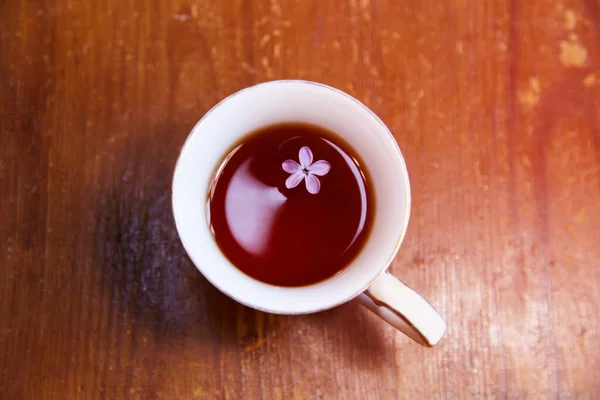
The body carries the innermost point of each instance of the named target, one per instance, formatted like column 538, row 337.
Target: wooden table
column 495, row 105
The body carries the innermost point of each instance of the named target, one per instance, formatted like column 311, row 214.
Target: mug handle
column 404, row 309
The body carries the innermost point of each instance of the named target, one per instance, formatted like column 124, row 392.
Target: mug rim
column 385, row 266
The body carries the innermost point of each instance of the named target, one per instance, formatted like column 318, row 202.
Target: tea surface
column 290, row 205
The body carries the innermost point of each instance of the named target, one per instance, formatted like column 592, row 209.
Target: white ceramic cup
column 365, row 278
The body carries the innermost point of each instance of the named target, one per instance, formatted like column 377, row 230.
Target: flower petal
column 291, row 166
column 305, row 156
column 312, row 184
column 294, row 179
column 320, row 168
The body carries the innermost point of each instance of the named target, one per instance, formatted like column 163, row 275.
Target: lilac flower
column 305, row 170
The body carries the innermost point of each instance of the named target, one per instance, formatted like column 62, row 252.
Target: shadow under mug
column 365, row 279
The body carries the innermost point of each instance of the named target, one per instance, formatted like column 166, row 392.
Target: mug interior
column 291, row 101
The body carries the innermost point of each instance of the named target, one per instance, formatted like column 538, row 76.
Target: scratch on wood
column 276, row 8
column 277, row 50
column 424, row 62
column 589, row 80
column 531, row 95
column 459, row 47
column 246, row 67
column 570, row 19
column 264, row 40
column 580, row 215
column 572, row 53
column 265, row 63
column 372, row 69
column 417, row 99
column 262, row 21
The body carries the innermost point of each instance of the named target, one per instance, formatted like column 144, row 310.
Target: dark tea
column 290, row 205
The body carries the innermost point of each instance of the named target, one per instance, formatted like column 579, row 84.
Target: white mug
column 365, row 278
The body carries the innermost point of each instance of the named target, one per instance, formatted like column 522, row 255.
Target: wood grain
column 494, row 104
